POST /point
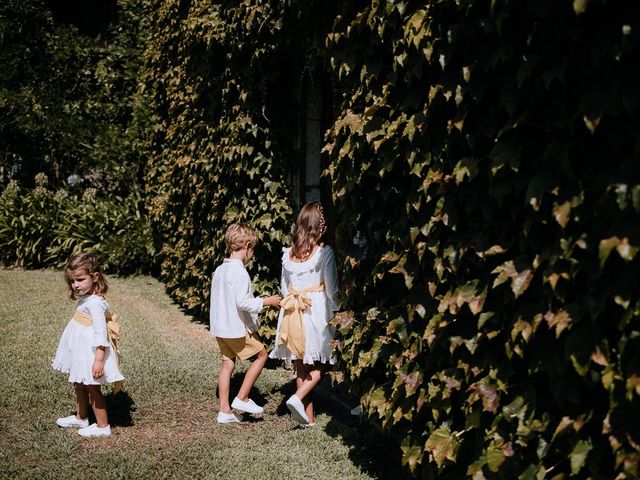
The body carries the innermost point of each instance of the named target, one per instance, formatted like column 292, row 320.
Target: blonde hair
column 90, row 264
column 308, row 229
column 239, row 236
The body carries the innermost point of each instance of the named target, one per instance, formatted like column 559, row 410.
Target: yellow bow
column 113, row 334
column 292, row 334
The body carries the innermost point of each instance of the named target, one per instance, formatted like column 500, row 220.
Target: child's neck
column 239, row 255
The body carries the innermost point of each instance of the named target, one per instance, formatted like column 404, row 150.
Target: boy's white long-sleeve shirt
column 233, row 308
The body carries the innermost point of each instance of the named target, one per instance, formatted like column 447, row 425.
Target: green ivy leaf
column 579, row 455
column 443, row 445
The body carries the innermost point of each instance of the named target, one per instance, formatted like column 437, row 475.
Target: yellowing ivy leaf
column 561, row 213
column 622, row 246
column 579, row 6
column 599, row 358
column 560, row 320
column 519, row 280
column 633, row 385
column 523, row 328
column 411, row 455
column 442, row 444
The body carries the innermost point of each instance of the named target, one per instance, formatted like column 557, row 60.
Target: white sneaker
column 72, row 421
column 356, row 411
column 229, row 417
column 94, row 430
column 302, row 426
column 249, row 406
column 297, row 410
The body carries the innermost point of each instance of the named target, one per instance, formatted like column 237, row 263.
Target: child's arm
column 97, row 370
column 100, row 338
column 330, row 279
column 272, row 301
column 284, row 287
column 248, row 303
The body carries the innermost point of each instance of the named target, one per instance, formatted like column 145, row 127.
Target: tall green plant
column 26, row 223
column 44, row 228
column 488, row 153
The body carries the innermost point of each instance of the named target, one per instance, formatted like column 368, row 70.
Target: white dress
column 320, row 268
column 77, row 347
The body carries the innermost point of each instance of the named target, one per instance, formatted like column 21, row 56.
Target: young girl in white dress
column 87, row 350
column 309, row 287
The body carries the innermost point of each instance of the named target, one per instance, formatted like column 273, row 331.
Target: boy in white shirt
column 233, row 321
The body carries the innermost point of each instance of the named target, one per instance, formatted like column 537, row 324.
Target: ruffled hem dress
column 77, row 348
column 319, row 269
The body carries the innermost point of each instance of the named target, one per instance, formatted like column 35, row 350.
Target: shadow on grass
column 120, row 406
column 371, row 450
column 374, row 452
column 378, row 455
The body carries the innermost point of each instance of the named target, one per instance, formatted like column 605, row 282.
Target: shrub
column 42, row 228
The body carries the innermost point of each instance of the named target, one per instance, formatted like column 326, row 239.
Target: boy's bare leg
column 82, row 397
column 98, row 404
column 253, row 372
column 224, row 384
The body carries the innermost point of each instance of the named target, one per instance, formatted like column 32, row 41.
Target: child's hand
column 272, row 301
column 98, row 369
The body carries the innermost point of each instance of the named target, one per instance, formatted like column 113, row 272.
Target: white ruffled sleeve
column 330, row 279
column 97, row 307
column 284, row 280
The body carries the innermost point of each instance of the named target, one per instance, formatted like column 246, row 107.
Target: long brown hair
column 308, row 229
column 90, row 264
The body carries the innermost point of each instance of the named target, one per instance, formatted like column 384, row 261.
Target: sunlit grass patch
column 164, row 421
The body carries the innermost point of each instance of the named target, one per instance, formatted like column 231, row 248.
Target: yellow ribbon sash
column 113, row 334
column 292, row 334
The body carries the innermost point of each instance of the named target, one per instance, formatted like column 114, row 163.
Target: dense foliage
column 218, row 82
column 42, row 227
column 67, row 101
column 488, row 151
column 484, row 160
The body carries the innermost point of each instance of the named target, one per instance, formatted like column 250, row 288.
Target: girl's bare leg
column 307, row 377
column 98, row 404
column 82, row 398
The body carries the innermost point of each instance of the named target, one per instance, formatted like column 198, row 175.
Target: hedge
column 488, row 153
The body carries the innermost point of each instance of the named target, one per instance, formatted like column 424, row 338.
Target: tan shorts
column 243, row 347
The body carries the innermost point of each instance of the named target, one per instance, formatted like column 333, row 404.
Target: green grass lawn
column 164, row 421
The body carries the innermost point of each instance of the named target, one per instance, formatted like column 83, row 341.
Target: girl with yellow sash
column 87, row 350
column 309, row 286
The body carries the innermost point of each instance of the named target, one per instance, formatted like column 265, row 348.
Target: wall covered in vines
column 218, row 86
column 484, row 163
column 488, row 153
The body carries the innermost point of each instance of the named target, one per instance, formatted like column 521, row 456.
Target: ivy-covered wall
column 484, row 164
column 488, row 152
column 219, row 84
